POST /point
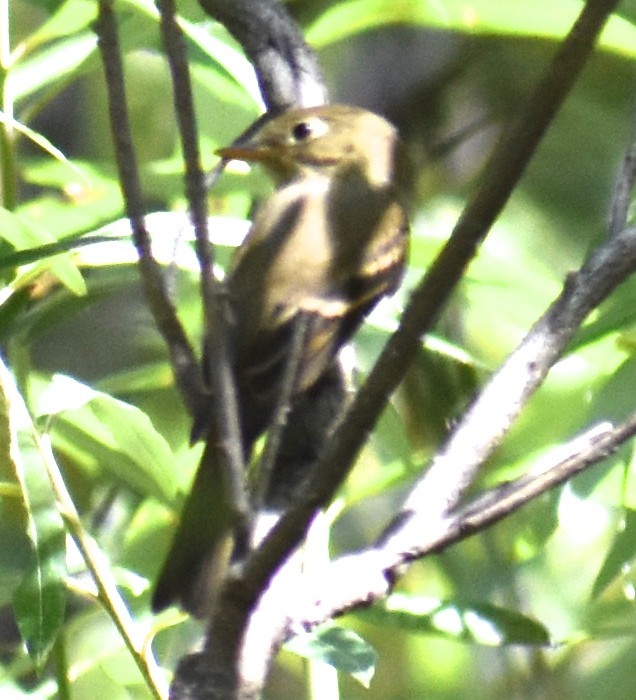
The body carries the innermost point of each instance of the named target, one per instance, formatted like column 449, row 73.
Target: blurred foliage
column 540, row 606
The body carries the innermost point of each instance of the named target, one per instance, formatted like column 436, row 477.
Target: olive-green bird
column 325, row 246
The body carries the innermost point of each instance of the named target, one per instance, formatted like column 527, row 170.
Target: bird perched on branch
column 324, row 247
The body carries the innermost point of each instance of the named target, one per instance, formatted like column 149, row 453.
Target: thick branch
column 287, row 69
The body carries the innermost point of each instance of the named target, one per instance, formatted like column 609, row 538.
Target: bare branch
column 621, row 200
column 409, row 536
column 225, row 405
column 183, row 360
column 360, row 579
column 501, row 400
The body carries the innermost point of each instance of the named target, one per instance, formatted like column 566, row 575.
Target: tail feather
column 201, row 547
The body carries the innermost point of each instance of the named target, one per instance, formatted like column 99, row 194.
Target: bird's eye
column 302, row 131
column 308, row 129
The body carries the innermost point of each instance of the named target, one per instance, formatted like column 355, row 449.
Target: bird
column 325, row 246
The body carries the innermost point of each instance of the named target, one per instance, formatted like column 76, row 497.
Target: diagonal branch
column 426, row 523
column 363, row 578
column 501, row 400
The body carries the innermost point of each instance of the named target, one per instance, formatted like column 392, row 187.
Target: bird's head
column 320, row 141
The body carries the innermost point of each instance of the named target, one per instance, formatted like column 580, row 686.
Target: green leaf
column 40, row 599
column 228, row 57
column 543, row 18
column 480, row 623
column 341, row 648
column 622, row 552
column 102, row 432
column 70, row 17
column 88, row 197
column 52, row 65
column 21, row 234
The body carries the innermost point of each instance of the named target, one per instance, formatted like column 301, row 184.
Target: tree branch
column 430, row 519
column 426, row 523
column 182, row 358
column 363, row 578
column 225, row 404
column 287, row 69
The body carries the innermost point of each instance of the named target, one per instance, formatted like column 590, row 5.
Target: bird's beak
column 246, row 152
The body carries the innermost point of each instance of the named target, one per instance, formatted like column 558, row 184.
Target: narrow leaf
column 621, row 553
column 481, row 623
column 40, row 599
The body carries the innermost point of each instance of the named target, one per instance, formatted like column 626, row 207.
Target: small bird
column 325, row 246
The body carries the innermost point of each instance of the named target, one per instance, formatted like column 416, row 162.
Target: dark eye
column 302, row 131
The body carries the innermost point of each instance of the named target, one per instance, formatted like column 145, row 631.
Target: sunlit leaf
column 232, row 60
column 52, row 64
column 111, row 435
column 480, row 623
column 343, row 649
column 620, row 555
column 537, row 19
column 69, row 18
column 21, row 234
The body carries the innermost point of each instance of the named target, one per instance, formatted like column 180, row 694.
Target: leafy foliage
column 85, row 372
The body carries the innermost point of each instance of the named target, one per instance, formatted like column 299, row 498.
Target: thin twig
column 279, row 418
column 410, row 536
column 99, row 568
column 622, row 199
column 414, row 532
column 224, row 403
column 501, row 400
column 183, row 360
column 8, row 142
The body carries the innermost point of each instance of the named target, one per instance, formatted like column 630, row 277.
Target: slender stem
column 182, row 358
column 61, row 667
column 99, row 568
column 8, row 176
column 225, row 408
